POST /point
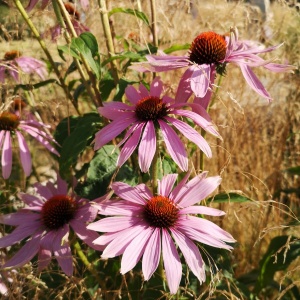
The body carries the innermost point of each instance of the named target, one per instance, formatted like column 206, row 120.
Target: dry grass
column 260, row 140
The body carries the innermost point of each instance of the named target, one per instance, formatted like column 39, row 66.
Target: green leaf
column 293, row 170
column 229, row 197
column 102, row 167
column 107, row 84
column 281, row 252
column 30, row 87
column 132, row 12
column 68, row 50
column 90, row 41
column 75, row 134
column 177, row 48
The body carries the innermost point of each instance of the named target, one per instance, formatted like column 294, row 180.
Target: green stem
column 108, row 38
column 46, row 51
column 66, row 23
column 88, row 265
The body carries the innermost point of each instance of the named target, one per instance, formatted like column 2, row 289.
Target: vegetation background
column 258, row 157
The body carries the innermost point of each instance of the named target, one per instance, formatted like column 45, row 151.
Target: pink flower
column 147, row 112
column 32, row 4
column 209, row 53
column 13, row 63
column 45, row 224
column 12, row 126
column 141, row 224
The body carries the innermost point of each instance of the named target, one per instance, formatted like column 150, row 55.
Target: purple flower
column 148, row 111
column 13, row 124
column 141, row 224
column 45, row 224
column 13, row 63
column 32, row 4
column 209, row 53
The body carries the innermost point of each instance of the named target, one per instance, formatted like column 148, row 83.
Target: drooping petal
column 151, row 254
column 184, row 90
column 200, row 80
column 191, row 254
column 174, row 146
column 44, row 258
column 172, row 262
column 25, row 156
column 130, row 145
column 6, row 159
column 25, row 254
column 166, row 184
column 191, row 134
column 62, row 250
column 135, row 250
column 254, row 82
column 147, row 147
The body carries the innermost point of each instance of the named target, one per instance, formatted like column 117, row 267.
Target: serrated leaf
column 130, row 11
column 228, row 197
column 177, row 48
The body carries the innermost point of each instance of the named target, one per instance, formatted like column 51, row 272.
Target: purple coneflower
column 13, row 63
column 209, row 53
column 148, row 111
column 13, row 126
column 45, row 223
column 75, row 19
column 32, row 3
column 143, row 224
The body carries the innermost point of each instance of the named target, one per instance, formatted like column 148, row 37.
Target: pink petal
column 130, row 145
column 191, row 134
column 128, row 193
column 151, row 254
column 132, row 94
column 134, row 250
column 20, row 217
column 6, row 158
column 166, row 184
column 156, row 87
column 112, row 224
column 200, row 80
column 191, row 254
column 147, row 147
column 30, row 200
column 110, row 131
column 179, row 188
column 44, row 258
column 254, row 82
column 113, row 110
column 172, row 262
column 119, row 208
column 62, row 250
column 200, row 191
column 184, row 90
column 122, row 240
column 25, row 254
column 174, row 146
column 24, row 154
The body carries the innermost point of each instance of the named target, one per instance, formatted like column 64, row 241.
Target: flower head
column 209, row 53
column 13, row 125
column 45, row 224
column 13, row 62
column 148, row 111
column 142, row 224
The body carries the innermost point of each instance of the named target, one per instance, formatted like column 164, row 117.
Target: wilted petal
column 24, row 154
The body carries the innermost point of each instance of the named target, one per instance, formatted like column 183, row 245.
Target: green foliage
column 75, row 134
column 129, row 11
column 228, row 198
